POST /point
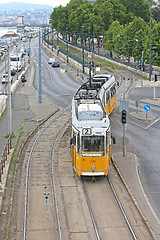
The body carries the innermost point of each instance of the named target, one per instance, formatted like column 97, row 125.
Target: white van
column 16, row 61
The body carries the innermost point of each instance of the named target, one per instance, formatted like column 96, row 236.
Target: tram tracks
column 40, row 172
column 113, row 212
column 65, row 214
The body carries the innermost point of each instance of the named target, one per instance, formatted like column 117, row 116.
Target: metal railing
column 4, row 157
column 104, row 54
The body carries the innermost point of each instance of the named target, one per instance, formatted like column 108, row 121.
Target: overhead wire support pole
column 150, row 55
column 83, row 48
column 9, row 96
column 40, row 77
column 52, row 39
column 67, row 43
column 89, row 51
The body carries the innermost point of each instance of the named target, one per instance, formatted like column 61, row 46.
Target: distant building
column 20, row 25
column 10, row 34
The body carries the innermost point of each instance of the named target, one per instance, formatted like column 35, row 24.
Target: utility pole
column 83, row 48
column 17, row 60
column 57, row 38
column 9, row 109
column 89, row 52
column 29, row 49
column 5, row 71
column 67, row 43
column 52, row 39
column 40, row 77
column 150, row 55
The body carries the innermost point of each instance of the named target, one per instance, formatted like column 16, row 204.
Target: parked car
column 5, row 78
column 55, row 64
column 51, row 60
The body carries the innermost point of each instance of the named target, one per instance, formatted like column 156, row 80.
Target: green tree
column 155, row 45
column 114, row 38
column 135, row 36
column 139, row 8
column 129, row 40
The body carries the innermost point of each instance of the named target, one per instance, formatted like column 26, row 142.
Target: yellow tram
column 91, row 133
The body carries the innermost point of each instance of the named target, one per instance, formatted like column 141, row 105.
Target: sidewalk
column 30, row 112
column 25, row 108
column 27, row 113
column 127, row 168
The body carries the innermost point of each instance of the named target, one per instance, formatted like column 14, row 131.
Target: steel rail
column 122, row 210
column 91, row 213
column 54, row 185
column 28, row 169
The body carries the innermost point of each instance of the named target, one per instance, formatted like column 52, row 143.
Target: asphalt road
column 56, row 84
column 143, row 137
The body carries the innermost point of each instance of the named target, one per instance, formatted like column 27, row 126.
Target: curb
column 132, row 196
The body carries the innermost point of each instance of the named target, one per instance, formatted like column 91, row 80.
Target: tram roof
column 89, row 114
column 92, row 88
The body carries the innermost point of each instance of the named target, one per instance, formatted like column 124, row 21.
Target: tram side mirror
column 71, row 140
column 113, row 139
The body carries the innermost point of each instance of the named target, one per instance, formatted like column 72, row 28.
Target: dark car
column 13, row 72
column 55, row 64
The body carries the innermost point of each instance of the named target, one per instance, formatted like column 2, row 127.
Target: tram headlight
column 93, row 167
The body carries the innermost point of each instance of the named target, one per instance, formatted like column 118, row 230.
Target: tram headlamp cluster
column 93, row 167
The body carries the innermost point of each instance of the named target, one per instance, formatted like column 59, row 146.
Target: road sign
column 147, row 108
column 124, row 105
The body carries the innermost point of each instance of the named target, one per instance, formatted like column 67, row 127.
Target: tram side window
column 107, row 97
column 74, row 139
column 113, row 91
column 107, row 143
column 78, row 143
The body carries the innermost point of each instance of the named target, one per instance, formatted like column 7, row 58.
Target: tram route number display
column 86, row 131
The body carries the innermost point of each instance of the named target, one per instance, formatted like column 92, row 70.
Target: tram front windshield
column 93, row 144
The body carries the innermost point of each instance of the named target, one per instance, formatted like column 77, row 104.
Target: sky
column 53, row 3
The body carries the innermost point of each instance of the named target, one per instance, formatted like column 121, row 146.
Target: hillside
column 24, row 6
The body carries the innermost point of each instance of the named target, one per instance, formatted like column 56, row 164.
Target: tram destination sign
column 86, row 131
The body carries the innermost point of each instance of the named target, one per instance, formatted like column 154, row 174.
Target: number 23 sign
column 86, row 131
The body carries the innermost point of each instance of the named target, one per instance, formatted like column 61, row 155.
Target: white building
column 20, row 25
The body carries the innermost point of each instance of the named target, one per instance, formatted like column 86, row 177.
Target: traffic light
column 124, row 117
column 155, row 78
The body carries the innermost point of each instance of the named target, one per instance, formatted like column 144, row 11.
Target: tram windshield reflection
column 93, row 144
